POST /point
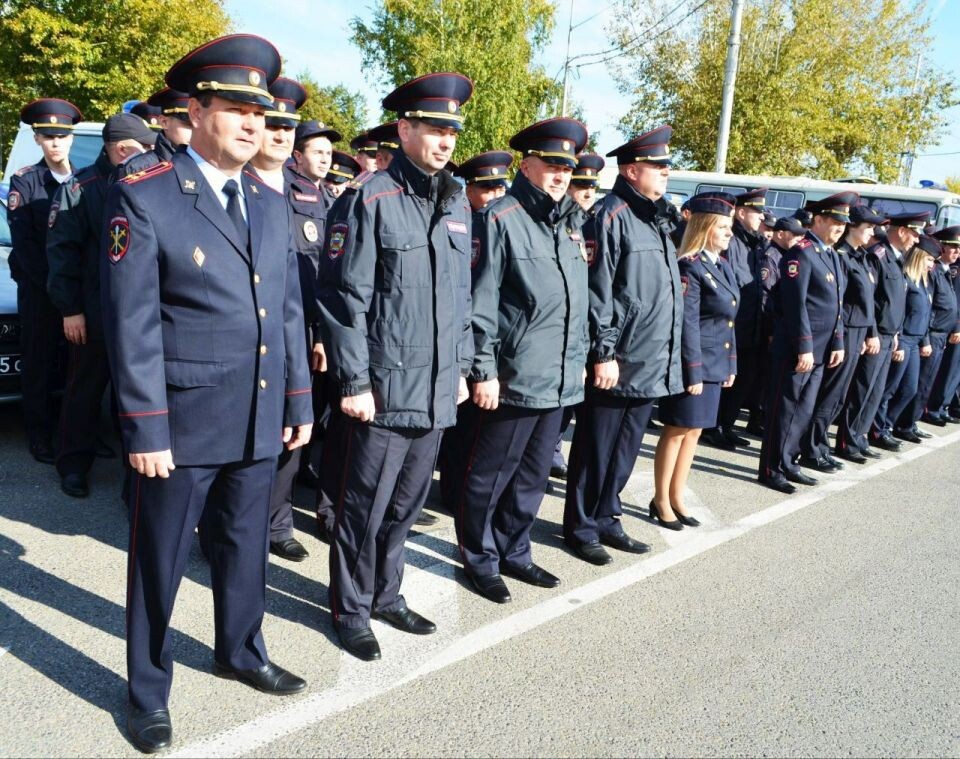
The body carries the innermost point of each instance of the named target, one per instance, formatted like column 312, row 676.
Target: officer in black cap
column 149, row 113
column 586, row 180
column 944, row 389
column 204, row 330
column 74, row 255
column 364, row 148
column 170, row 111
column 342, row 169
column 388, row 142
column 808, row 338
column 486, row 176
column 636, row 316
column 745, row 256
column 28, row 207
column 860, row 338
column 768, row 224
column 313, row 153
column 399, row 343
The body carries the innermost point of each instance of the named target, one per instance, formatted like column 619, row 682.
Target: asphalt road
column 822, row 624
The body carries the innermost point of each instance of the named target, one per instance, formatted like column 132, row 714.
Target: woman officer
column 708, row 351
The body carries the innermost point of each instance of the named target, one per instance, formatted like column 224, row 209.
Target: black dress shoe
column 406, row 620
column 491, row 587
column 323, row 532
column 936, row 421
column 676, row 524
column 103, row 450
column 623, row 542
column 559, row 471
column 851, row 454
column 820, row 464
column 149, row 731
column 907, row 435
column 270, row 678
column 871, row 454
column 801, row 479
column 426, row 519
column 734, row 439
column 592, row 553
column 778, row 482
column 42, row 452
column 713, row 437
column 886, row 442
column 75, row 485
column 951, row 419
column 530, row 574
column 359, row 641
column 920, row 433
column 832, row 460
column 290, row 549
column 755, row 428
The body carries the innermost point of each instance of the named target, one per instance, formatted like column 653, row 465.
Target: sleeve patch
column 793, row 269
column 590, row 249
column 13, row 200
column 764, row 274
column 684, row 282
column 119, row 238
column 474, row 251
column 338, row 238
column 52, row 218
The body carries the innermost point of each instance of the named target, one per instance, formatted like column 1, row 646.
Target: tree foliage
column 493, row 45
column 823, row 88
column 335, row 106
column 96, row 53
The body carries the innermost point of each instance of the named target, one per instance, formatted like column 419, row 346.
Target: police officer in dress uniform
column 313, row 153
column 636, row 315
column 808, row 338
column 945, row 385
column 745, row 256
column 397, row 323
column 869, row 379
column 860, row 337
column 529, row 322
column 28, row 208
column 74, row 257
column 365, row 151
column 343, row 168
column 175, row 133
column 204, row 330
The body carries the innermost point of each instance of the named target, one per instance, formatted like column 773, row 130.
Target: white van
column 87, row 142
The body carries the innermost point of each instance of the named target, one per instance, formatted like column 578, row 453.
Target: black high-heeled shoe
column 688, row 521
column 655, row 514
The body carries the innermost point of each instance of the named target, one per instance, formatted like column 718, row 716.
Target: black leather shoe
column 270, row 678
column 923, row 434
column 871, row 454
column 778, row 482
column 150, row 732
column 832, row 460
column 936, row 421
column 713, row 437
column 491, row 587
column 407, row 620
column 734, row 439
column 531, row 574
column 323, row 532
column 887, row 443
column 951, row 419
column 42, row 452
column 592, row 553
column 560, row 471
column 103, row 450
column 907, row 435
column 623, row 542
column 290, row 549
column 755, row 428
column 426, row 519
column 820, row 464
column 851, row 454
column 75, row 485
column 359, row 641
column 801, row 479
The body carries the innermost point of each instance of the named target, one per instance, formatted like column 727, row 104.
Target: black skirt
column 685, row 410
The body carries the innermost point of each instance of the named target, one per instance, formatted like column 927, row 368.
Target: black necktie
column 232, row 191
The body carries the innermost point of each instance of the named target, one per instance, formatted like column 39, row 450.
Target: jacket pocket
column 400, row 376
column 404, row 261
column 187, row 374
column 630, row 319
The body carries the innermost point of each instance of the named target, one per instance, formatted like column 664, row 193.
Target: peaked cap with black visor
column 51, row 116
column 433, row 98
column 557, row 141
column 288, row 97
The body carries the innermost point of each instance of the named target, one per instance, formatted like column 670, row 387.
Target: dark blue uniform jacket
column 28, row 210
column 709, row 344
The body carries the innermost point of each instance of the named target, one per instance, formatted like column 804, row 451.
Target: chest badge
column 310, row 231
column 872, row 278
column 830, row 277
column 710, row 279
column 198, row 257
column 189, row 184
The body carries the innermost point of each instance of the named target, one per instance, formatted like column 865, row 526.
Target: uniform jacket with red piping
column 709, row 344
column 204, row 330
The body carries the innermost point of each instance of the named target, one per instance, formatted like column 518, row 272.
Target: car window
column 4, row 227
column 949, row 216
column 85, row 149
column 888, row 206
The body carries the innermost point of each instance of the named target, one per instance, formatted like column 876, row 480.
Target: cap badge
column 254, row 78
column 281, row 106
column 566, row 145
column 336, row 167
column 53, row 119
column 452, row 107
column 495, row 171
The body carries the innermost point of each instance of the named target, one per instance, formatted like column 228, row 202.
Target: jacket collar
column 642, row 206
column 537, row 203
column 751, row 239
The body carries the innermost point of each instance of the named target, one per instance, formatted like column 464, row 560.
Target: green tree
column 494, row 46
column 96, row 53
column 823, row 88
column 335, row 106
column 952, row 184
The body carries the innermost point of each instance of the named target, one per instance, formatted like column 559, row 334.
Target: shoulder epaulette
column 26, row 170
column 806, row 242
column 138, row 176
column 360, row 180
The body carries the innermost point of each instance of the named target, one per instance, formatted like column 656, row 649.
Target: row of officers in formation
column 236, row 278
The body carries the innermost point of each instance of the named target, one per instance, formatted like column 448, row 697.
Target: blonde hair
column 697, row 232
column 915, row 267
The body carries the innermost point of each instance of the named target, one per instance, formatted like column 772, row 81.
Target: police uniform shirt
column 218, row 180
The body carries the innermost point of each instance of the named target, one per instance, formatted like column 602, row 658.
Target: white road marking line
column 359, row 682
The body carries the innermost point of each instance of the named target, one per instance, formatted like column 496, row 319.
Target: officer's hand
column 898, row 356
column 606, row 375
column 729, row 382
column 75, row 329
column 294, row 437
column 804, row 363
column 318, row 359
column 954, row 338
column 836, row 358
column 359, row 407
column 926, row 351
column 896, row 343
column 487, row 394
column 463, row 392
column 695, row 389
column 156, row 464
column 871, row 346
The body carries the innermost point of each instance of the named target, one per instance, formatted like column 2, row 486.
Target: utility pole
column 729, row 85
column 566, row 64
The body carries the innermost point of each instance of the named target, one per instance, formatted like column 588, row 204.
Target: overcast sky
column 314, row 35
